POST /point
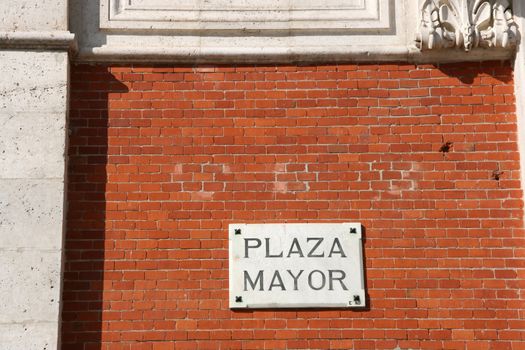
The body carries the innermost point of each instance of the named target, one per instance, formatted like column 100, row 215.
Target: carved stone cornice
column 466, row 24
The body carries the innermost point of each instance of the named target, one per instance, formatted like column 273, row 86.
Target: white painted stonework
column 296, row 266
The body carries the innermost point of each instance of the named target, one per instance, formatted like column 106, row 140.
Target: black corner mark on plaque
column 237, row 231
column 357, row 300
column 353, row 230
column 238, row 299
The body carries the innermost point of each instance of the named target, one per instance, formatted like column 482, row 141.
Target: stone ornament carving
column 466, row 24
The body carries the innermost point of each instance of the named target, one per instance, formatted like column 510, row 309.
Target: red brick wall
column 162, row 159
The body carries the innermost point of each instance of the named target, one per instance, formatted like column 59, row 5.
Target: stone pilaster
column 34, row 45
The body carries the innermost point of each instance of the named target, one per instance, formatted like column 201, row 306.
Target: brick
column 163, row 158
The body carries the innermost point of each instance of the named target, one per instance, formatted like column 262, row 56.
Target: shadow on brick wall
column 479, row 73
column 85, row 231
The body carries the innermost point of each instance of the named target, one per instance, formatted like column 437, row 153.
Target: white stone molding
column 466, row 24
column 55, row 40
column 254, row 55
column 246, row 15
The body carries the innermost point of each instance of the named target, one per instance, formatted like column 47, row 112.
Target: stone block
column 29, row 336
column 30, row 288
column 33, row 81
column 31, row 214
column 33, row 15
column 28, row 139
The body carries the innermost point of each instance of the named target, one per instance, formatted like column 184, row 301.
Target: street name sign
column 296, row 266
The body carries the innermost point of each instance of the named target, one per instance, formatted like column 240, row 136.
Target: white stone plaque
column 296, row 266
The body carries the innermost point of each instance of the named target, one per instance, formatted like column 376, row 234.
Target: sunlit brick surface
column 162, row 159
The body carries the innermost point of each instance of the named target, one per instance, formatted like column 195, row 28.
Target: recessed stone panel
column 242, row 15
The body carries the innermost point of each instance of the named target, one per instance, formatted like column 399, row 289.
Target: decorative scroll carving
column 466, row 24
